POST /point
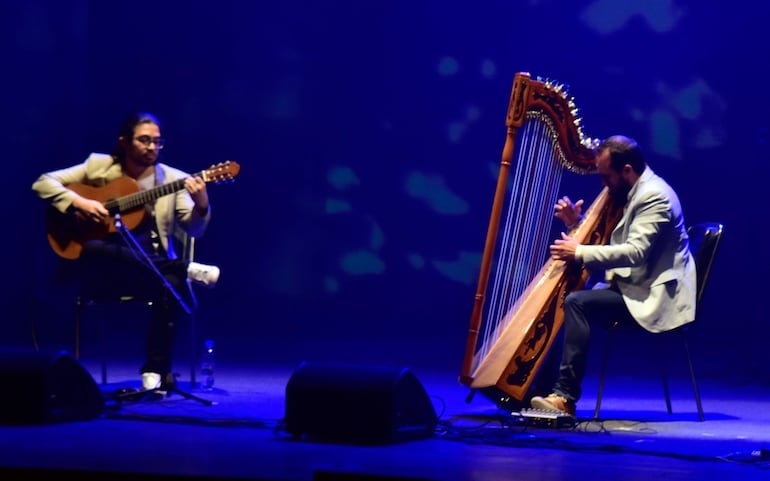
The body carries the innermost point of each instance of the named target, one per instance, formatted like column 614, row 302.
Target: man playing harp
column 650, row 272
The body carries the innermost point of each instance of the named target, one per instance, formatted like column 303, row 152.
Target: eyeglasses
column 147, row 140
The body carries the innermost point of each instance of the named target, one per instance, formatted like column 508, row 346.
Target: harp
column 518, row 309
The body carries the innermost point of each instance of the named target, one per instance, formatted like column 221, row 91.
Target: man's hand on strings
column 89, row 209
column 564, row 249
column 197, row 189
column 568, row 212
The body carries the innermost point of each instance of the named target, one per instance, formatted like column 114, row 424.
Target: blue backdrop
column 369, row 136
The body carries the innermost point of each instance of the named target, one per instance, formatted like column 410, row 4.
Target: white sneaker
column 203, row 274
column 150, row 380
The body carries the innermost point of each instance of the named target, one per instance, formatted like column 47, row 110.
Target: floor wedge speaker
column 44, row 387
column 357, row 404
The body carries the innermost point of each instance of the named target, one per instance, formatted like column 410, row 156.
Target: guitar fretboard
column 129, row 202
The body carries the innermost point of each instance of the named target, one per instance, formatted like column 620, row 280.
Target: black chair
column 704, row 243
column 94, row 296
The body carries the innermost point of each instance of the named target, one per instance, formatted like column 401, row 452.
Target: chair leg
column 695, row 389
column 666, row 392
column 193, row 351
column 103, row 351
column 603, row 372
column 81, row 304
column 78, row 313
column 193, row 326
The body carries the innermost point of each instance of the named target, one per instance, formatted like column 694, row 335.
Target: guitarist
column 109, row 262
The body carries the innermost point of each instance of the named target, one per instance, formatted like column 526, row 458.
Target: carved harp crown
column 550, row 103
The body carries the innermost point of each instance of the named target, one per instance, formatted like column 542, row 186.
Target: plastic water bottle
column 207, row 365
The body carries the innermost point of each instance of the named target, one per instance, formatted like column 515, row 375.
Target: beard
column 145, row 159
column 619, row 194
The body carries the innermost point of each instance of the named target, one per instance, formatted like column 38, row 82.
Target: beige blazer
column 649, row 258
column 175, row 215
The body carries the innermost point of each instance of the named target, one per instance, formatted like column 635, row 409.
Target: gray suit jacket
column 649, row 257
column 175, row 215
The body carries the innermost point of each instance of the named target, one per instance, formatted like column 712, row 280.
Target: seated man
column 114, row 261
column 649, row 268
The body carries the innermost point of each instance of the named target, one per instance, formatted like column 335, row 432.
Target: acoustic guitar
column 67, row 233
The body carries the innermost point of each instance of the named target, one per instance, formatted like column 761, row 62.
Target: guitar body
column 67, row 233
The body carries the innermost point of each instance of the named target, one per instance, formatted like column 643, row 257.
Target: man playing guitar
column 89, row 203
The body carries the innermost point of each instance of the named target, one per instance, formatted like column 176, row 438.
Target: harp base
column 501, row 399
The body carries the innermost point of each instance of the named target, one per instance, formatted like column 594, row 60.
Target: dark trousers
column 106, row 269
column 583, row 310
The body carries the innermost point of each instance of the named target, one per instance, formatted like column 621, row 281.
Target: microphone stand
column 168, row 385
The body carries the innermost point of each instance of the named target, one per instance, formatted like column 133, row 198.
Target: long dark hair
column 127, row 130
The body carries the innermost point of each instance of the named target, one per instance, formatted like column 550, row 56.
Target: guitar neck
column 133, row 201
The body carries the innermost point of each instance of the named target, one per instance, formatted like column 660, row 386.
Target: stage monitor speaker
column 45, row 387
column 357, row 404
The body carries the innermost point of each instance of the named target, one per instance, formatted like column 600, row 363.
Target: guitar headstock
column 221, row 172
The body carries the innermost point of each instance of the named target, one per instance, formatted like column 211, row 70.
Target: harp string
column 525, row 234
